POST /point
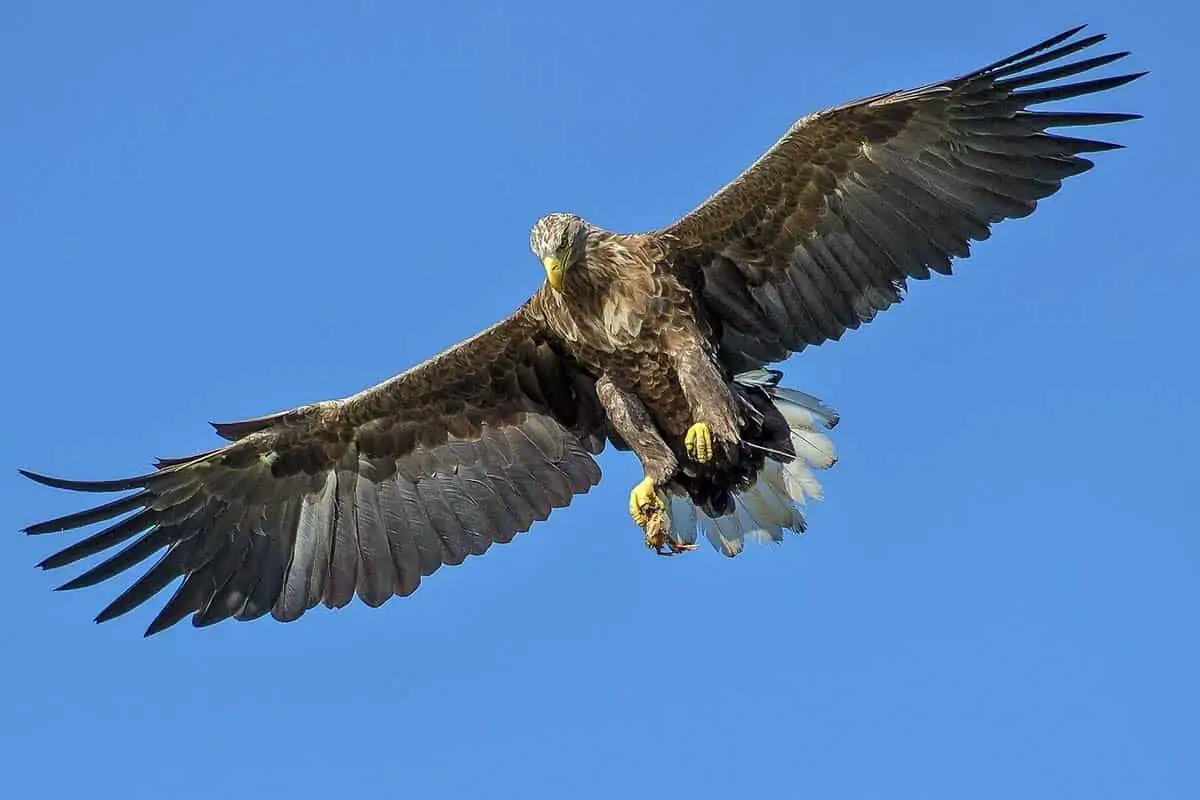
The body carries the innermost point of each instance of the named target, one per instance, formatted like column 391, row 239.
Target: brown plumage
column 654, row 342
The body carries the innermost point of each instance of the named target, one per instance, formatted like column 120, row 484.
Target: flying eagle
column 655, row 342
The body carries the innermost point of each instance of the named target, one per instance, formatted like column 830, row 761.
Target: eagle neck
column 609, row 295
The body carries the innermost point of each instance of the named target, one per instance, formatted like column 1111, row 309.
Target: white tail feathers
column 683, row 520
column 787, row 400
column 773, row 504
column 813, row 448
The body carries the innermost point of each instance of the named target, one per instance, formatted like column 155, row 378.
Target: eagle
column 660, row 343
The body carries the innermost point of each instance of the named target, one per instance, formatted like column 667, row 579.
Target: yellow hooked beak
column 554, row 272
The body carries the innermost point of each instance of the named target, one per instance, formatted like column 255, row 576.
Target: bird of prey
column 658, row 342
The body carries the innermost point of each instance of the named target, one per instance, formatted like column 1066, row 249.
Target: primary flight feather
column 657, row 343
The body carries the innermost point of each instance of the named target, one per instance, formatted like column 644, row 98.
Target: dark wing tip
column 1040, row 46
column 118, row 485
column 232, row 431
column 79, row 582
column 161, row 464
column 89, row 515
column 51, row 562
column 70, row 586
column 159, row 624
column 44, row 480
column 1106, row 118
column 240, row 429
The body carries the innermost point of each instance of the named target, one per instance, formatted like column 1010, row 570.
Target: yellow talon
column 649, row 511
column 699, row 444
column 644, row 503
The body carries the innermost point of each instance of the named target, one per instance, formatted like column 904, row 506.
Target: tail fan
column 784, row 485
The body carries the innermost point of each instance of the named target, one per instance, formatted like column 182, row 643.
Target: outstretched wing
column 363, row 496
column 825, row 229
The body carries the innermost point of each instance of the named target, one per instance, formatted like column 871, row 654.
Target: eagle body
column 659, row 342
column 636, row 327
column 627, row 316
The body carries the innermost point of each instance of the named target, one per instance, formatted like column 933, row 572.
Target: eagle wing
column 825, row 229
column 364, row 495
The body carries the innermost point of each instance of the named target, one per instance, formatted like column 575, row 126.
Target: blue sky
column 212, row 211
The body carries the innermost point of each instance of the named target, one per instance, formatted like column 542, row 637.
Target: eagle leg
column 711, row 402
column 699, row 443
column 632, row 421
column 648, row 508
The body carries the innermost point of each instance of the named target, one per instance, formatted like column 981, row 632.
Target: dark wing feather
column 362, row 496
column 827, row 227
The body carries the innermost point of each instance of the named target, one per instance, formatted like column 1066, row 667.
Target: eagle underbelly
column 650, row 374
column 656, row 383
column 647, row 336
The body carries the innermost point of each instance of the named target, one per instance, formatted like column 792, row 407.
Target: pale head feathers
column 559, row 236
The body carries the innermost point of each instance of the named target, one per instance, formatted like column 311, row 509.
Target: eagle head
column 558, row 241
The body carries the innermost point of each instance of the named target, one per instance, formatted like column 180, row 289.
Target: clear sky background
column 212, row 211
